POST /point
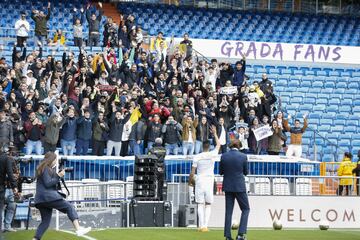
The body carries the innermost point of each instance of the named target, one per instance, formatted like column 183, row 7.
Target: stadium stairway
column 110, row 10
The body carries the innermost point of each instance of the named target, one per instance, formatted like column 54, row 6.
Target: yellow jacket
column 345, row 170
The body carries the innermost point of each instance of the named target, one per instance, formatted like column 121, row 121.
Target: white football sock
column 201, row 213
column 207, row 214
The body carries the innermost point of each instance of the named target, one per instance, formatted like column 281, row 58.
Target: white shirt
column 190, row 140
column 22, row 31
column 222, row 137
column 205, row 162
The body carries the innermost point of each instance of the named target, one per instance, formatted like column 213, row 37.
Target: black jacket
column 84, row 128
column 6, row 172
column 172, row 133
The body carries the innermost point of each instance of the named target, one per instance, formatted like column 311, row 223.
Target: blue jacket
column 234, row 166
column 238, row 78
column 84, row 128
column 69, row 129
column 46, row 187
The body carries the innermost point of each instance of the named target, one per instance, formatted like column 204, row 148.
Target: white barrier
column 294, row 212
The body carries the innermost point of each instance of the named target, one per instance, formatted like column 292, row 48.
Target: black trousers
column 49, row 147
column 342, row 188
column 124, row 148
column 78, row 42
column 243, row 201
column 98, row 148
column 223, row 148
column 20, row 41
column 46, row 210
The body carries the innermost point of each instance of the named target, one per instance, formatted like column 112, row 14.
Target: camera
column 62, row 162
column 19, row 160
column 23, row 198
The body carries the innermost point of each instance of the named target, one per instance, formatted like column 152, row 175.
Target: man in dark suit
column 233, row 165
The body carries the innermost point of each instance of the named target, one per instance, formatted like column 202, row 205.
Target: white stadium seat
column 262, row 186
column 303, row 186
column 281, row 186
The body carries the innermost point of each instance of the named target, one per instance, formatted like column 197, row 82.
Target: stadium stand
column 249, row 26
column 329, row 94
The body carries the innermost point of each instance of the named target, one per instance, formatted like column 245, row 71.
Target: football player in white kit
column 203, row 165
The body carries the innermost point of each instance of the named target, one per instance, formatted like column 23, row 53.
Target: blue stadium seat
column 350, row 129
column 339, row 128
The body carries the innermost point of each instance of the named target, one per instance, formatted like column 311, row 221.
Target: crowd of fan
column 129, row 95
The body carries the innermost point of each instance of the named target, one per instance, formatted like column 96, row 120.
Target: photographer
column 48, row 198
column 6, row 173
column 10, row 208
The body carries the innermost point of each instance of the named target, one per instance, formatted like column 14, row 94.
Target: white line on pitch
column 86, row 237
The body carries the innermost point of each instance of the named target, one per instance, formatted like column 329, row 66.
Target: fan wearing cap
column 22, row 28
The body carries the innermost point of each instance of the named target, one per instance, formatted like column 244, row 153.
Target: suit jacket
column 233, row 165
column 46, row 187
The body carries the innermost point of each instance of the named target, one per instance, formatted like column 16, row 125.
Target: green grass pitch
column 191, row 234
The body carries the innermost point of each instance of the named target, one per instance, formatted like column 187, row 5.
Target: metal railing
column 120, row 168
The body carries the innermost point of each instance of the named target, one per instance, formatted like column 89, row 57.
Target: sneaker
column 82, row 231
column 241, row 238
column 205, row 229
column 9, row 230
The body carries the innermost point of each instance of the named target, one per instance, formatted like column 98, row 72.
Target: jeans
column 46, row 210
column 198, row 147
column 136, row 148
column 188, row 148
column 111, row 145
column 30, row 145
column 10, row 208
column 94, row 39
column 2, row 202
column 68, row 147
column 172, row 148
column 150, row 145
column 82, row 146
column 41, row 39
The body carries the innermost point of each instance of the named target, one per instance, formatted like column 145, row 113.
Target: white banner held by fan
column 262, row 132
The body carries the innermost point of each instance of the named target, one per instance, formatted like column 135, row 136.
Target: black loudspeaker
column 150, row 214
column 148, row 183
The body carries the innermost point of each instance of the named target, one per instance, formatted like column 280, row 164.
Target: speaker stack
column 147, row 180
